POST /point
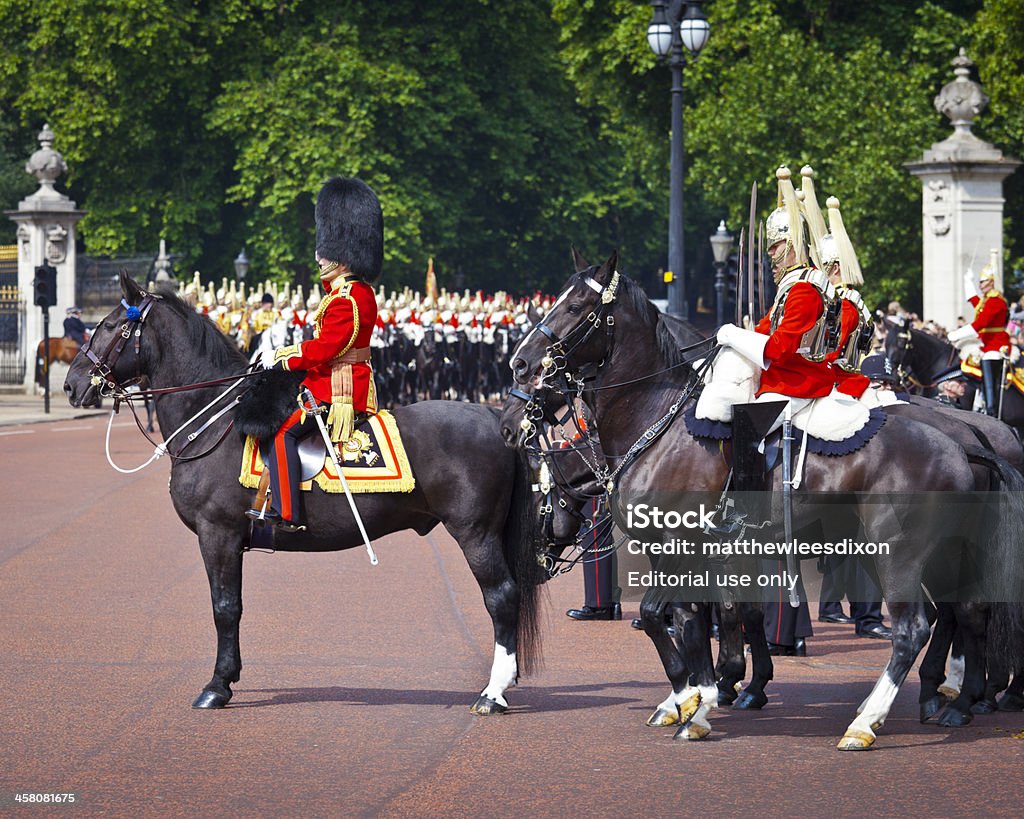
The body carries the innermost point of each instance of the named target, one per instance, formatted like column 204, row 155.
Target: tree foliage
column 496, row 133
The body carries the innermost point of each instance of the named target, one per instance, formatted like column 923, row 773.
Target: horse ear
column 578, row 261
column 604, row 274
column 129, row 287
column 533, row 315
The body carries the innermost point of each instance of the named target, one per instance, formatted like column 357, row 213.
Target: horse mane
column 650, row 317
column 202, row 335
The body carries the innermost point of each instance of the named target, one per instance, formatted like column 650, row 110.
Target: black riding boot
column 749, row 490
column 991, row 383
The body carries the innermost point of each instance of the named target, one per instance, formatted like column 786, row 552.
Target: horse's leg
column 933, row 665
column 222, row 554
column 652, row 615
column 501, row 597
column 731, row 667
column 1013, row 699
column 761, row 660
column 972, row 623
column 950, row 688
column 701, row 694
column 910, row 632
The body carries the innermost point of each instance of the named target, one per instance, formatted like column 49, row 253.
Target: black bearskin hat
column 350, row 226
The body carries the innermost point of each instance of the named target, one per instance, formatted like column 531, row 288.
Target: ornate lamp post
column 241, row 265
column 676, row 24
column 721, row 247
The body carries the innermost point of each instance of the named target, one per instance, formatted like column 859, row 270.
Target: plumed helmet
column 990, row 272
column 812, row 213
column 350, row 226
column 786, row 222
column 849, row 266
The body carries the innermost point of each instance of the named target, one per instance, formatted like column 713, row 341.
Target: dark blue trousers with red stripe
column 600, row 568
column 282, row 459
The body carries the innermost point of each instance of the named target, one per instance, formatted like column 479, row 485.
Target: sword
column 739, row 279
column 310, row 407
column 787, row 499
column 750, row 253
column 762, row 285
column 1002, row 389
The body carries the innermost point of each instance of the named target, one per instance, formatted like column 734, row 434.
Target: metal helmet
column 785, row 222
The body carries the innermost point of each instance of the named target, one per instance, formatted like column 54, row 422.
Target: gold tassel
column 341, row 420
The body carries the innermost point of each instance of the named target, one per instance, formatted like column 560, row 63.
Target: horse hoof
column 726, row 694
column 692, row 732
column 211, row 699
column 984, row 707
column 931, row 707
column 485, row 707
column 689, row 707
column 663, row 718
column 751, row 702
column 952, row 718
column 855, row 741
column 949, row 693
column 1011, row 702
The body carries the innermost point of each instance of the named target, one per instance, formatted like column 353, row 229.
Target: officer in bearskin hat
column 350, row 253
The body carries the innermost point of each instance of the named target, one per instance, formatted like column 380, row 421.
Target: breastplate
column 814, row 343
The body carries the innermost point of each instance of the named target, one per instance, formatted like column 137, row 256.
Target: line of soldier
column 434, row 346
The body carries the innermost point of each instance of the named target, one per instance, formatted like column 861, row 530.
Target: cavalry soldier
column 74, row 327
column 350, row 253
column 987, row 331
column 789, row 344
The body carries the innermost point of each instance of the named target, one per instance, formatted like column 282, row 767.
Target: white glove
column 962, row 335
column 724, row 333
column 970, row 289
column 267, row 359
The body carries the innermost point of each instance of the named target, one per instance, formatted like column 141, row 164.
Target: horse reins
column 101, row 375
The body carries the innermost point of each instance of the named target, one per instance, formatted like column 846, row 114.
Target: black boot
column 750, row 424
column 991, row 383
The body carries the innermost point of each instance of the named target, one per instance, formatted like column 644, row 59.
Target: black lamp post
column 721, row 247
column 241, row 265
column 676, row 24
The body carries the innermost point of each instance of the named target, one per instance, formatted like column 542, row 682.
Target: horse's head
column 897, row 338
column 113, row 356
column 576, row 331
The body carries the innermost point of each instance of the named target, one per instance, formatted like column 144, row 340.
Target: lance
column 740, row 256
column 750, row 253
column 310, row 407
column 762, row 283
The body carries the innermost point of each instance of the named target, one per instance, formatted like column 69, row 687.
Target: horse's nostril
column 519, row 366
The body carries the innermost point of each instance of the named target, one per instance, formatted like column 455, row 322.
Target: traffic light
column 44, row 286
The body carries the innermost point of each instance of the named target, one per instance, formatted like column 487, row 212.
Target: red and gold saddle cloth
column 373, row 459
column 1014, row 373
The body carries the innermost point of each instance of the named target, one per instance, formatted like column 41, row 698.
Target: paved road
column 357, row 680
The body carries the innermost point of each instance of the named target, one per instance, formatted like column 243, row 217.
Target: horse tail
column 522, row 528
column 1003, row 567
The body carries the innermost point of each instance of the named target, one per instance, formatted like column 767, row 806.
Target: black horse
column 920, row 358
column 466, row 479
column 603, row 325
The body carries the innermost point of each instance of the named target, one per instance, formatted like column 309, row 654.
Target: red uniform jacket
column 990, row 316
column 789, row 373
column 344, row 322
column 852, row 384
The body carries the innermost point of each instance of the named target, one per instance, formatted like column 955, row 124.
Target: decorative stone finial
column 963, row 99
column 162, row 264
column 46, row 165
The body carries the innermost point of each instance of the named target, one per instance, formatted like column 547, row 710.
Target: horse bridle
column 906, row 374
column 102, row 372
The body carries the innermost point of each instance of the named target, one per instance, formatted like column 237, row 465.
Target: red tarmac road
column 357, row 681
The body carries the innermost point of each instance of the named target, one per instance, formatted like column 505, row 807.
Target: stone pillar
column 962, row 180
column 46, row 233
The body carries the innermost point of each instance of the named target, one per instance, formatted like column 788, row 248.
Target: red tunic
column 788, row 372
column 344, row 321
column 852, row 384
column 990, row 317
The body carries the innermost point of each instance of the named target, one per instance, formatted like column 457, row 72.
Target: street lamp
column 241, row 265
column 676, row 24
column 721, row 247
